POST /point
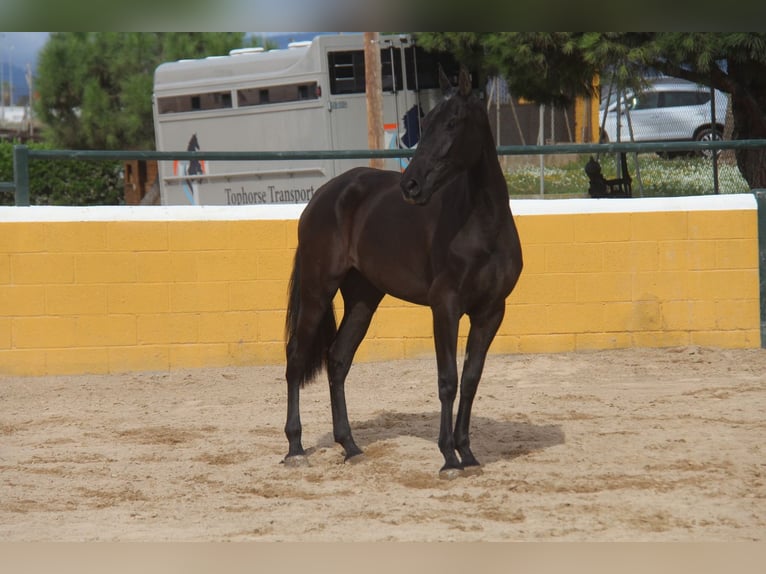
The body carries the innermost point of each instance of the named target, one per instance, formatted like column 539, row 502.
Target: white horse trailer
column 310, row 96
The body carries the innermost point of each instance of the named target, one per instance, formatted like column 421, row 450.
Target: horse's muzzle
column 412, row 191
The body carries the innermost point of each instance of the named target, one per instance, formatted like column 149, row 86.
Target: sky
column 21, row 48
column 18, row 49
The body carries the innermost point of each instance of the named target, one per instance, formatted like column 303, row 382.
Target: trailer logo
column 193, row 167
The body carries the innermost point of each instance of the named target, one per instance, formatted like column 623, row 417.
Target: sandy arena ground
column 637, row 445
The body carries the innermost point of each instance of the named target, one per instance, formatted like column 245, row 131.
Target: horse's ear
column 464, row 84
column 444, row 83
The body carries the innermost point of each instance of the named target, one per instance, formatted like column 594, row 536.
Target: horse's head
column 453, row 139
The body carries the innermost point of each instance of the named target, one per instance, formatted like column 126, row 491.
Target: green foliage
column 95, row 88
column 553, row 68
column 65, row 182
column 547, row 67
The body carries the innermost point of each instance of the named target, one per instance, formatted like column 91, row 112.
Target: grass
column 659, row 177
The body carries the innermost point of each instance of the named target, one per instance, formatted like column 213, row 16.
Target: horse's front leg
column 484, row 326
column 446, row 321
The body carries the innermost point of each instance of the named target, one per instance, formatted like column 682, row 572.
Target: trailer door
column 347, row 103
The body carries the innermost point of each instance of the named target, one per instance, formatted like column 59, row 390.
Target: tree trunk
column 748, row 104
column 752, row 165
column 748, row 122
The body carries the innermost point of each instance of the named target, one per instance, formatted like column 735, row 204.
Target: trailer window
column 347, row 71
column 277, row 94
column 427, row 66
column 194, row 102
column 387, row 75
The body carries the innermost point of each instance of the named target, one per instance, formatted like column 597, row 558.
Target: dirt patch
column 618, row 445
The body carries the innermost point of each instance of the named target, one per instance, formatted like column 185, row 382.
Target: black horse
column 450, row 243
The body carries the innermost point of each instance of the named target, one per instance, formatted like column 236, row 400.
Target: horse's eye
column 451, row 123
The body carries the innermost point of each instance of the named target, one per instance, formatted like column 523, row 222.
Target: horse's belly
column 397, row 280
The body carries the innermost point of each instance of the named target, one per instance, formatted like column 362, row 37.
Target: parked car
column 668, row 110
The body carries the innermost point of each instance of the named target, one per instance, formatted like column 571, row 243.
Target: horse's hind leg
column 484, row 326
column 298, row 348
column 361, row 300
column 293, row 428
column 312, row 336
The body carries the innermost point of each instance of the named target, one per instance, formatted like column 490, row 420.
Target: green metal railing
column 22, row 155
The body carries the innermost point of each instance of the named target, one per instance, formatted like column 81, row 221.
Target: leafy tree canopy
column 554, row 68
column 95, row 88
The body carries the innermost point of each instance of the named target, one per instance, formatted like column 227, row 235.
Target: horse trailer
column 309, row 96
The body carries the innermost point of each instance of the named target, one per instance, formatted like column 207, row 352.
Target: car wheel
column 707, row 135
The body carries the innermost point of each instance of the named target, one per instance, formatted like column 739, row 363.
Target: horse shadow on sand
column 491, row 440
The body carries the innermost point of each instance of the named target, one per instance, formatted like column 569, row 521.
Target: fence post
column 21, row 174
column 760, row 198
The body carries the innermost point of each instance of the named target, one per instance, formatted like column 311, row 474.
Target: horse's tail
column 316, row 354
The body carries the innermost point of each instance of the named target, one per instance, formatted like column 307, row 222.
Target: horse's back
column 339, row 200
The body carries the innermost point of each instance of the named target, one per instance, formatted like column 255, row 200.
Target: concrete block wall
column 645, row 273
column 108, row 289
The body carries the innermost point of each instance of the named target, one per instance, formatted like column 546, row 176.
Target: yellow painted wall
column 122, row 295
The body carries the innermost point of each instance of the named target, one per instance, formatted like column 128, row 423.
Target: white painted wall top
column 525, row 207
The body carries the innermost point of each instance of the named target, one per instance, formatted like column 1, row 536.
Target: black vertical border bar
column 760, row 198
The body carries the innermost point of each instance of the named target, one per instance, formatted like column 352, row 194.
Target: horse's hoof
column 355, row 459
column 296, row 461
column 450, row 473
column 473, row 470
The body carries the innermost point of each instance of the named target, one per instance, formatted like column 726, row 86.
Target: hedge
column 65, row 182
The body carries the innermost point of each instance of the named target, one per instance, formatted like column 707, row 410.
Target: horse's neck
column 488, row 186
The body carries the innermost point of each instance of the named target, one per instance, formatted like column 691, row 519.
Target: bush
column 65, row 182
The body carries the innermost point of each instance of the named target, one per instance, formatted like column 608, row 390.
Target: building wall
column 155, row 288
